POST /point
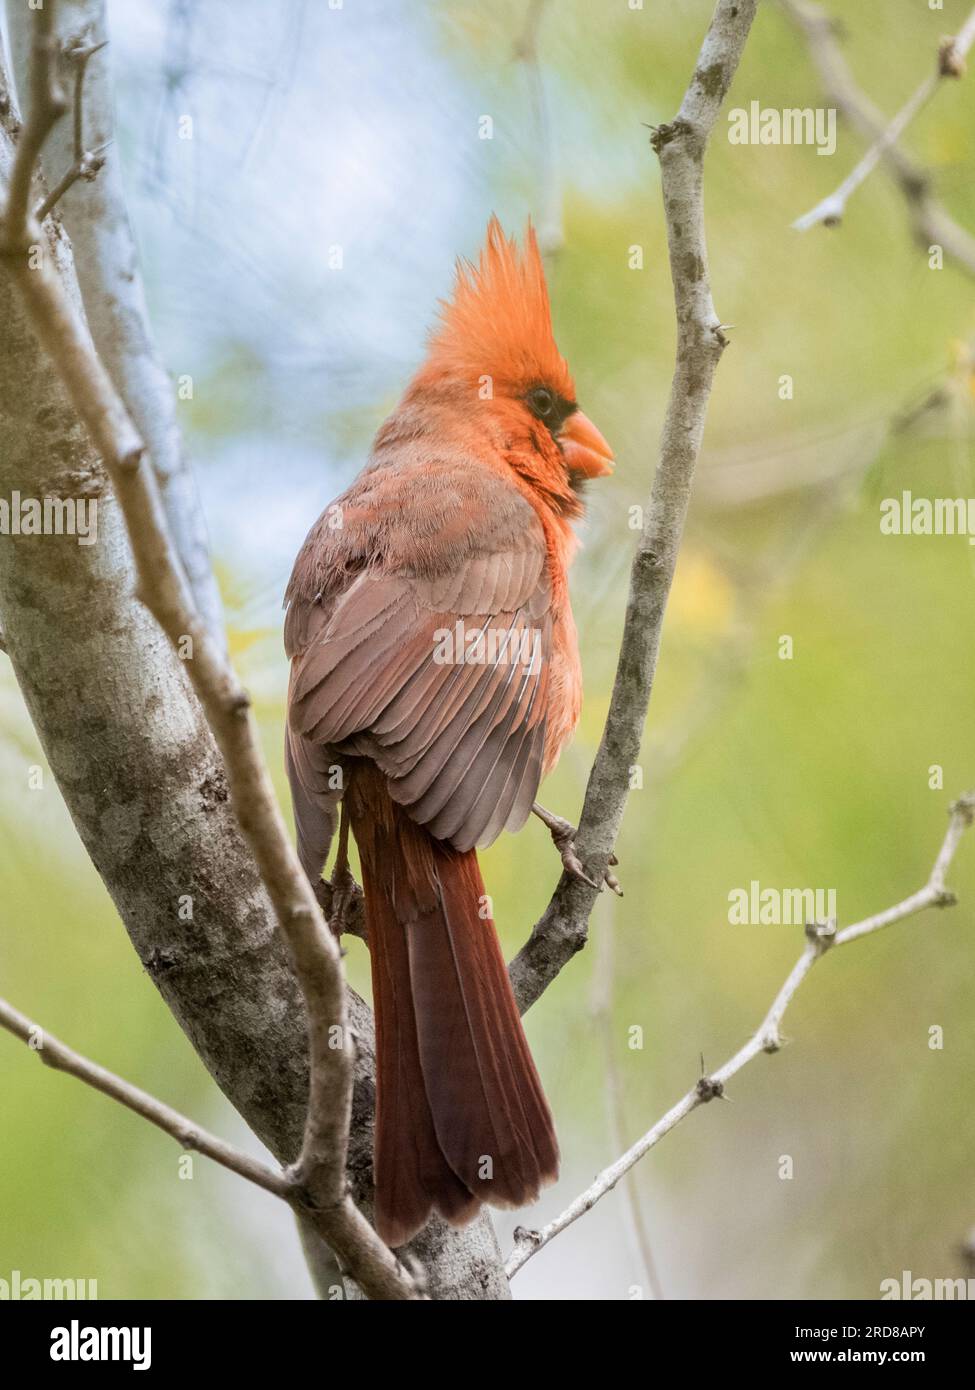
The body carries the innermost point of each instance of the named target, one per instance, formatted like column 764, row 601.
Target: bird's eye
column 542, row 402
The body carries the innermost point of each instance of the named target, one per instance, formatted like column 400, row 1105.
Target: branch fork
column 766, row 1039
column 932, row 224
column 163, row 587
column 315, row 1185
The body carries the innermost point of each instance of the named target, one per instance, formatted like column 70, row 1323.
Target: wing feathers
column 441, row 681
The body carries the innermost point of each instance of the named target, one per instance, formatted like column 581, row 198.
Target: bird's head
column 495, row 349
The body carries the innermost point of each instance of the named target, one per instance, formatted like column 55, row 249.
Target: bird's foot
column 343, row 903
column 563, row 837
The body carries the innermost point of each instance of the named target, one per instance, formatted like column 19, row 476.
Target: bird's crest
column 498, row 322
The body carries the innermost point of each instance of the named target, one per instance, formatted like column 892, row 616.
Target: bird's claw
column 571, row 862
column 610, row 879
column 341, row 901
column 563, row 837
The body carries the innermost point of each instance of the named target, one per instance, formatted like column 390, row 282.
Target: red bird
column 434, row 680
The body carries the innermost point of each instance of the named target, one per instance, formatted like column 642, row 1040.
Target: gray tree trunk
column 142, row 779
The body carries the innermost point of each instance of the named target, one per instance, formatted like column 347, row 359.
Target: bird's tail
column 461, row 1118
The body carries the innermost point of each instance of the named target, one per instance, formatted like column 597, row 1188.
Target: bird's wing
column 437, row 672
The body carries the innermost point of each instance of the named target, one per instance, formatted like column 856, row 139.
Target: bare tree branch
column 56, row 1054
column 94, row 213
column 680, row 145
column 932, row 224
column 87, row 163
column 320, row 1168
column 49, row 106
column 766, row 1038
column 323, row 1267
column 139, row 771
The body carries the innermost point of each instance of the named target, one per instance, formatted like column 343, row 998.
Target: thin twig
column 680, row 146
column 87, row 163
column 830, row 211
column 320, row 1168
column 48, row 105
column 325, row 1271
column 932, row 223
column 87, row 167
column 766, row 1038
column 82, row 56
column 106, row 260
column 58, row 1055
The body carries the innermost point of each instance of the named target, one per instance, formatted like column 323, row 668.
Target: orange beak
column 584, row 448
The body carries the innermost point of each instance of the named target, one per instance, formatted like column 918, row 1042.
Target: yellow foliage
column 702, row 596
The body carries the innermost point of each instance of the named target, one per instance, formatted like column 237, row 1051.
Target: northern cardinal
column 434, row 680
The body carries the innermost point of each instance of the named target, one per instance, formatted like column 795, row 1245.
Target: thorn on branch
column 664, row 134
column 709, row 1089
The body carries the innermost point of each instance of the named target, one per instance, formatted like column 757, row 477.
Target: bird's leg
column 563, row 835
column 341, row 897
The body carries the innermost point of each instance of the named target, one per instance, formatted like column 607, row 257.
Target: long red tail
column 460, row 1113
